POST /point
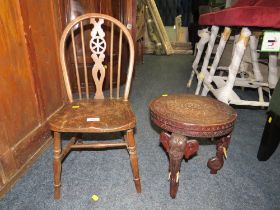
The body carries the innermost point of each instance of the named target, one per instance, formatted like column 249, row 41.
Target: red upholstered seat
column 258, row 13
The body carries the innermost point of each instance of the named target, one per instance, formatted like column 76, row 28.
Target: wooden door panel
column 18, row 107
column 4, row 144
column 8, row 163
column 44, row 49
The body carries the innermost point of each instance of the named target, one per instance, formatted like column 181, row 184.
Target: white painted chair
column 222, row 86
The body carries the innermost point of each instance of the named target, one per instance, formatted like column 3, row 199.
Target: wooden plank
column 8, row 163
column 4, row 143
column 30, row 144
column 30, row 84
column 2, row 177
column 24, row 168
column 44, row 52
column 19, row 106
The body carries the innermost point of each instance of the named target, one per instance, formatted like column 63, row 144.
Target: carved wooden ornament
column 98, row 47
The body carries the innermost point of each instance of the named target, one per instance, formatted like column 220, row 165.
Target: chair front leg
column 177, row 149
column 253, row 43
column 57, row 164
column 204, row 71
column 224, row 94
column 220, row 50
column 133, row 159
column 217, row 162
column 204, row 38
column 273, row 70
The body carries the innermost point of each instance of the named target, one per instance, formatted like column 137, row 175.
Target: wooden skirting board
column 26, row 164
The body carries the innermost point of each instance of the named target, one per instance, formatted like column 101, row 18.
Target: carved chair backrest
column 97, row 46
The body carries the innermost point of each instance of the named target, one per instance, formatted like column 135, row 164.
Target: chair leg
column 220, row 50
column 57, row 164
column 224, row 94
column 273, row 70
column 204, row 71
column 177, row 149
column 133, row 159
column 253, row 43
column 204, row 38
column 217, row 162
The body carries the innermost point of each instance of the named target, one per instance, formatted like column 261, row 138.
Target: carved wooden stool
column 187, row 116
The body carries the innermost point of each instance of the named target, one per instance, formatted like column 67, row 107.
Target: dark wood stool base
column 183, row 116
column 177, row 146
column 217, row 162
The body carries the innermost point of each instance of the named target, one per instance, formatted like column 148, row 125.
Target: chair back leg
column 133, row 159
column 57, row 164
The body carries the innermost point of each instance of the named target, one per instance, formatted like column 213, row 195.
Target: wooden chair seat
column 94, row 116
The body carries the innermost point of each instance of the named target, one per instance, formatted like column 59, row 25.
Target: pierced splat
column 98, row 47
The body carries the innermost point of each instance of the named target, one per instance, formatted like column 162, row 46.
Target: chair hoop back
column 97, row 46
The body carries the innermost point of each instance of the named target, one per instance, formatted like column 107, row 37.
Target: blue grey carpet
column 243, row 183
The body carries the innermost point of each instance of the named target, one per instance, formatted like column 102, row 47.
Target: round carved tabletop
column 192, row 115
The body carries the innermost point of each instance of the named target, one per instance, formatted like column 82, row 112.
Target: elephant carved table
column 183, row 117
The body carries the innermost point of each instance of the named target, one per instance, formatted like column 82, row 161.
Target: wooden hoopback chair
column 100, row 114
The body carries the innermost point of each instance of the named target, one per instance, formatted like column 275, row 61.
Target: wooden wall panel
column 42, row 35
column 18, row 109
column 4, row 143
column 30, row 83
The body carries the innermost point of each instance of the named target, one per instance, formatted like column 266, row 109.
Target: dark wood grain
column 30, row 84
column 185, row 116
column 121, row 10
column 98, row 115
column 114, row 115
column 192, row 115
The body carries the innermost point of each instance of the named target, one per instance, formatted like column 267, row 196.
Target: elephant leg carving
column 177, row 144
column 164, row 139
column 217, row 162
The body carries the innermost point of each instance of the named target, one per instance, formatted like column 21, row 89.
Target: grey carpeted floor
column 243, row 183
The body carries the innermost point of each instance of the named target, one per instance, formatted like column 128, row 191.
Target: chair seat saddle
column 94, row 116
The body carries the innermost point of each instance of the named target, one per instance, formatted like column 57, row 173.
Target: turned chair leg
column 224, row 38
column 57, row 164
column 224, row 94
column 204, row 38
column 133, row 159
column 273, row 70
column 204, row 72
column 177, row 145
column 217, row 162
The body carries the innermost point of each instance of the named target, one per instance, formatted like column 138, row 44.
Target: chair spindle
column 84, row 59
column 119, row 64
column 76, row 63
column 111, row 60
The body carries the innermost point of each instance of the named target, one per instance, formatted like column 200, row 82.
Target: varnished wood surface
column 126, row 34
column 114, row 115
column 192, row 115
column 186, row 115
column 119, row 9
column 98, row 115
column 44, row 53
column 30, row 84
